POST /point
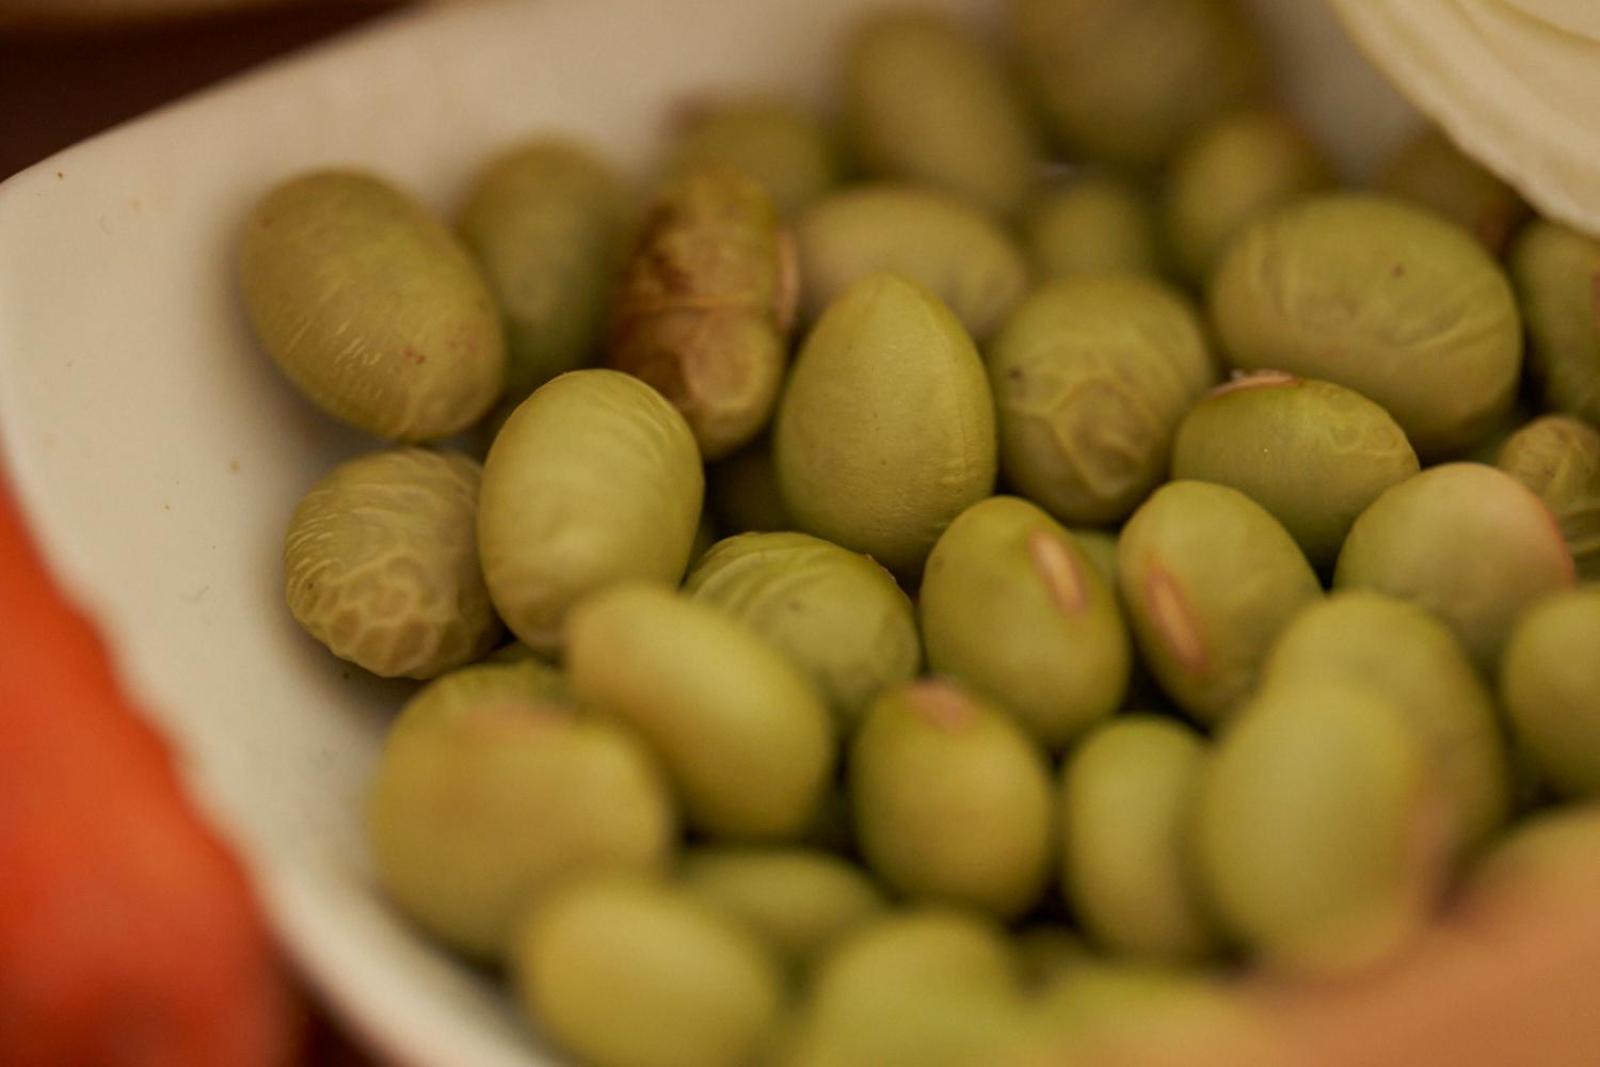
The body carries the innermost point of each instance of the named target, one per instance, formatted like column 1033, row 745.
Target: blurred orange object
column 128, row 933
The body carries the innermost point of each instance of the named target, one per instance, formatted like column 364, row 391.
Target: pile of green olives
column 958, row 577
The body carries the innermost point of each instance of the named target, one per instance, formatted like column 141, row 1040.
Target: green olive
column 381, row 565
column 790, row 151
column 836, row 613
column 1558, row 457
column 925, row 987
column 1124, row 82
column 1011, row 606
column 1550, row 683
column 1312, row 453
column 371, row 306
column 1209, row 579
column 631, row 973
column 886, row 429
column 704, row 306
column 1094, row 224
column 1405, row 654
column 1125, row 799
column 1320, row 837
column 477, row 811
column 1107, row 1003
column 1468, row 542
column 925, row 100
column 1383, row 298
column 929, row 237
column 742, row 733
column 1431, row 171
column 798, row 901
column 1228, row 173
column 509, row 674
column 547, row 221
column 952, row 800
column 1557, row 273
column 594, row 479
column 1091, row 377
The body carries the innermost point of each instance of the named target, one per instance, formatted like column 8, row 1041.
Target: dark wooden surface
column 59, row 83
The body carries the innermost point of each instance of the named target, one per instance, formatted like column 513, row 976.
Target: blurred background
column 70, row 68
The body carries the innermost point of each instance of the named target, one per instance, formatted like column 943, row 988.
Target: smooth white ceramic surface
column 158, row 453
column 1516, row 83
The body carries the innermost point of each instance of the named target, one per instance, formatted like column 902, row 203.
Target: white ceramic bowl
column 158, row 453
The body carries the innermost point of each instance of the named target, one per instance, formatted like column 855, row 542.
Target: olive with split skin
column 1012, row 606
column 1209, row 578
column 704, row 304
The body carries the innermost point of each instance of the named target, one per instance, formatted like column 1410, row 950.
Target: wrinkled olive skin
column 704, row 305
column 381, row 563
column 1558, row 457
column 926, row 101
column 1312, row 453
column 789, row 150
column 1230, row 172
column 836, row 613
column 477, row 811
column 1013, row 607
column 741, row 732
column 547, row 222
column 1319, row 838
column 594, row 479
column 1208, row 579
column 886, row 430
column 1405, row 654
column 799, row 902
column 925, row 986
column 936, row 240
column 1550, row 684
column 1557, row 274
column 371, row 306
column 1091, row 377
column 1432, row 172
column 951, row 799
column 1125, row 798
column 742, row 491
column 1383, row 298
column 634, row 973
column 1095, row 224
column 1092, row 67
column 1468, row 542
